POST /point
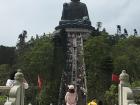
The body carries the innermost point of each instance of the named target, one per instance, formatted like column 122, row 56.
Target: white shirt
column 71, row 98
column 10, row 83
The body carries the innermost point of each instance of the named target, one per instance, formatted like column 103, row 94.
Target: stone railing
column 4, row 93
column 4, row 89
column 126, row 94
column 16, row 93
column 136, row 92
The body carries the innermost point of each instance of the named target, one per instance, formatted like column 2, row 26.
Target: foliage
column 111, row 96
column 104, row 55
column 37, row 58
column 41, row 57
column 49, row 94
column 135, row 84
column 126, row 55
column 2, row 100
column 21, row 44
column 97, row 56
column 4, row 73
column 7, row 55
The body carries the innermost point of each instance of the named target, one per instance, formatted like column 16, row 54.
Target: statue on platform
column 74, row 10
column 75, row 14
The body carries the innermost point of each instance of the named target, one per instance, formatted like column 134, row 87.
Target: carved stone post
column 16, row 95
column 124, row 77
column 125, row 92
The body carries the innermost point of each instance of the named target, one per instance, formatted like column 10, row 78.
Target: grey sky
column 39, row 16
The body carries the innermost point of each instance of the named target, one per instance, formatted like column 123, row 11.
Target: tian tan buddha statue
column 74, row 10
column 74, row 13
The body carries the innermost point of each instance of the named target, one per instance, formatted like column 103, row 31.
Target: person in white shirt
column 71, row 96
column 11, row 81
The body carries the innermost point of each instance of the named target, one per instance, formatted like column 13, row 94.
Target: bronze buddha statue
column 74, row 10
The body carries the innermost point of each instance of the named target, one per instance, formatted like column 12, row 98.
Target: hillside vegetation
column 104, row 54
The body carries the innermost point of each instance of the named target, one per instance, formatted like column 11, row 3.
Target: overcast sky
column 39, row 16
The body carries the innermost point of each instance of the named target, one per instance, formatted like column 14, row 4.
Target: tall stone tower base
column 75, row 71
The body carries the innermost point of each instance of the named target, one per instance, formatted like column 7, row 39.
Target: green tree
column 7, row 55
column 126, row 55
column 97, row 56
column 111, row 96
column 40, row 56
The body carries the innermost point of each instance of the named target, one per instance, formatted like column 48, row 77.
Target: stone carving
column 19, row 76
column 16, row 94
column 124, row 78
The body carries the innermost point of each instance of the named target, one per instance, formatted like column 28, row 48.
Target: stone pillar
column 16, row 94
column 124, row 77
column 125, row 92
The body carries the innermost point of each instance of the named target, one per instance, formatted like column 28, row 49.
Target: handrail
column 4, row 88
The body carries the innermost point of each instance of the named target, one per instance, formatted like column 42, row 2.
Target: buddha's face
column 75, row 0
